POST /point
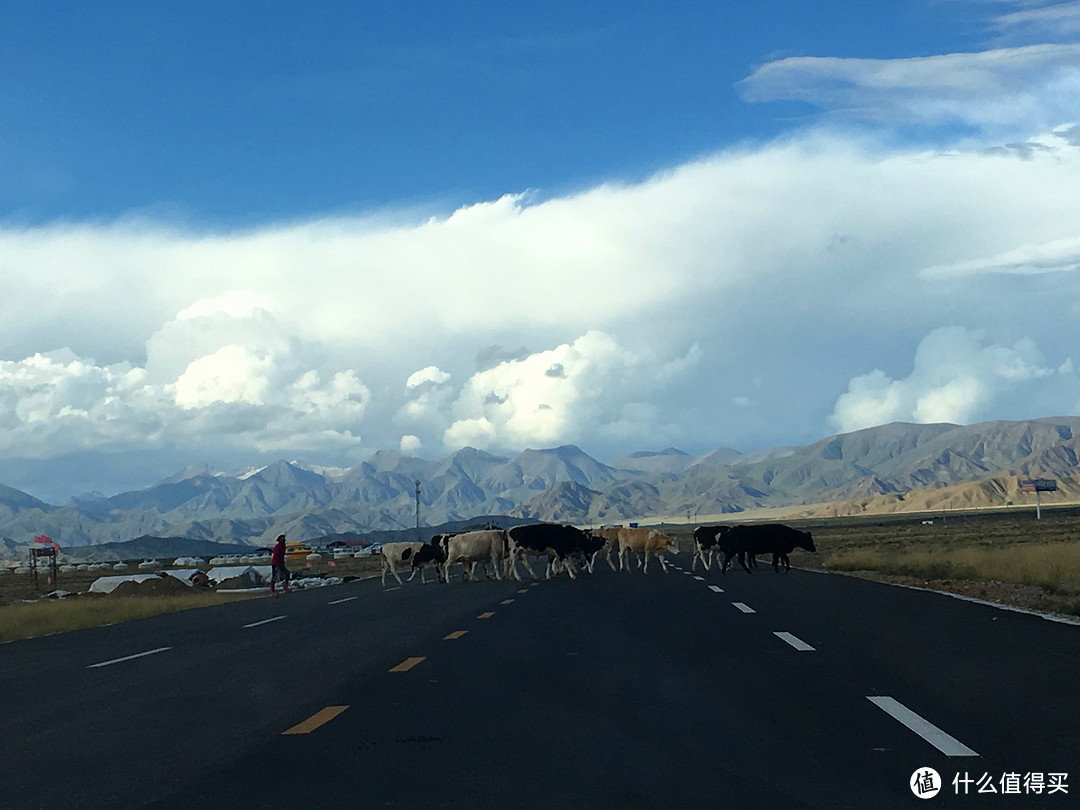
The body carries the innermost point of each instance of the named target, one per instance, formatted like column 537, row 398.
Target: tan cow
column 647, row 541
column 611, row 542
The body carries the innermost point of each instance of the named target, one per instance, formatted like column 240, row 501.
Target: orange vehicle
column 297, row 550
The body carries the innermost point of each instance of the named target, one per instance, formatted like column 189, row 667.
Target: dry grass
column 1053, row 566
column 29, row 619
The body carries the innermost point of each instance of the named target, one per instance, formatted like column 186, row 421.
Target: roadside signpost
column 1038, row 485
column 44, row 548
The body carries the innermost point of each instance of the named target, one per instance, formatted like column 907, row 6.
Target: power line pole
column 417, row 482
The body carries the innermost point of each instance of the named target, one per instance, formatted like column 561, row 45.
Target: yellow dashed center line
column 455, row 634
column 406, row 665
column 506, row 601
column 485, row 615
column 533, row 584
column 319, row 718
column 524, row 590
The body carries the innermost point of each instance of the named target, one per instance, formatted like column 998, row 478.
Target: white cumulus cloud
column 956, row 378
column 560, row 395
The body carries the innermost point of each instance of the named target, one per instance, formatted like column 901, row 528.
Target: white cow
column 395, row 555
column 484, row 546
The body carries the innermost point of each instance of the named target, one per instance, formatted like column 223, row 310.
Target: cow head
column 590, row 543
column 805, row 541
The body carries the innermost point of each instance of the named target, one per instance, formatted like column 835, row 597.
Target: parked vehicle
column 298, row 551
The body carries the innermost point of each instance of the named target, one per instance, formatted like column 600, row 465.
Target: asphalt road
column 615, row 690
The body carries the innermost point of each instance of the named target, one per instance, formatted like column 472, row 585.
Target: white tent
column 260, row 573
column 183, row 574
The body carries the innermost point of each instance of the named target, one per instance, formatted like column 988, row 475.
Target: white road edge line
column 346, row 599
column 264, row 621
column 129, row 657
column 716, row 589
column 744, row 607
column 946, row 744
column 794, row 641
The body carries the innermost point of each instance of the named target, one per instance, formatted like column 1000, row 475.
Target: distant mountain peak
column 667, row 451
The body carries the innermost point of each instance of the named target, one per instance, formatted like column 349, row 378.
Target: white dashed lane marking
column 946, row 744
column 744, row 607
column 128, row 657
column 265, row 621
column 699, row 579
column 716, row 589
column 346, row 599
column 797, row 643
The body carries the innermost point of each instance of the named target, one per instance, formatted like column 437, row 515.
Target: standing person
column 278, row 571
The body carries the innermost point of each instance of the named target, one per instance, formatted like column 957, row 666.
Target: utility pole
column 417, row 482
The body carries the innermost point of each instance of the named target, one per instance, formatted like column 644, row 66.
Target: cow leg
column 511, row 566
column 663, row 565
column 645, row 565
column 568, row 564
column 393, row 570
column 742, row 562
column 525, row 562
column 607, row 556
column 710, row 555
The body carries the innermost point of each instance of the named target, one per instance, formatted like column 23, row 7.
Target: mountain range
column 562, row 484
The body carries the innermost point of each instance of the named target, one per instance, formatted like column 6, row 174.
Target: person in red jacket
column 278, row 571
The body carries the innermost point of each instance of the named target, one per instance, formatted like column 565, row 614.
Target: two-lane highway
column 614, row 690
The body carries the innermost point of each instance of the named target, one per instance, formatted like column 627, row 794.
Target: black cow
column 705, row 544
column 770, row 538
column 431, row 553
column 589, row 546
column 555, row 541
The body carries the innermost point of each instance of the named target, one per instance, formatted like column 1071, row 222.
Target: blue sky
column 236, row 232
column 238, row 113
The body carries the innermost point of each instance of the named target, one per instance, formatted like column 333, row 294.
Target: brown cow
column 647, row 541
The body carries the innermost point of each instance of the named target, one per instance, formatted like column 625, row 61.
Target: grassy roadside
column 1053, row 566
column 24, row 613
column 1010, row 558
column 29, row 619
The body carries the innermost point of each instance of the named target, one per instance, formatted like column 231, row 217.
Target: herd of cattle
column 567, row 548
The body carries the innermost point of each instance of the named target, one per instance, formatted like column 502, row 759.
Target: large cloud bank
column 764, row 294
